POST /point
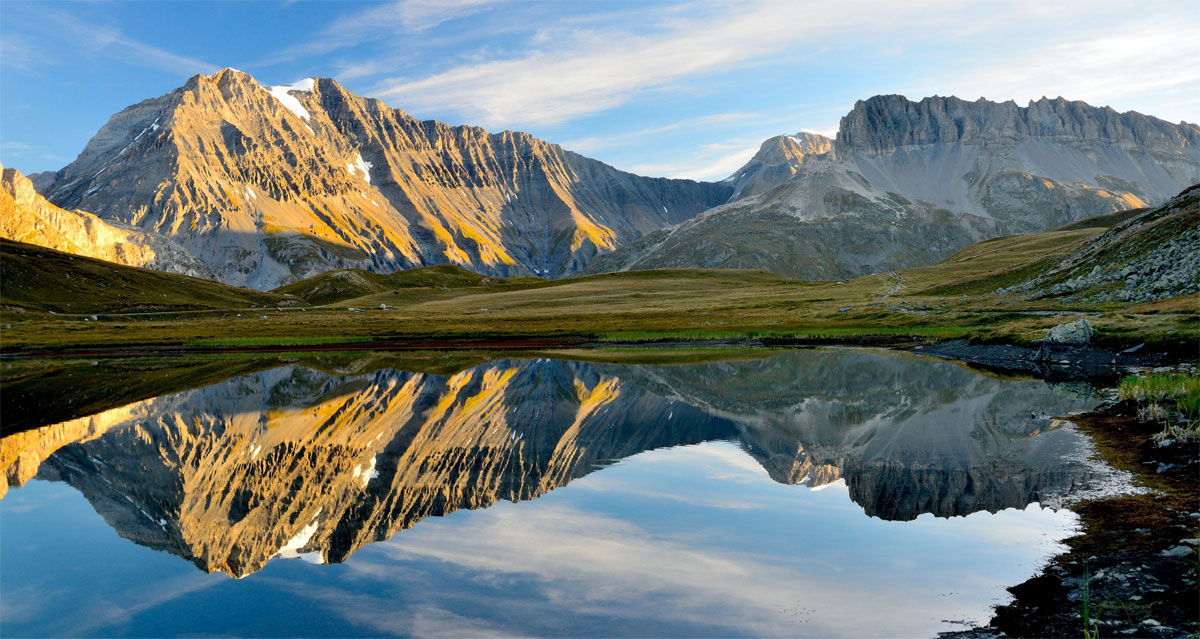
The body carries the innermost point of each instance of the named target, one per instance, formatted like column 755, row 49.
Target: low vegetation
column 1171, row 399
column 80, row 303
column 33, row 278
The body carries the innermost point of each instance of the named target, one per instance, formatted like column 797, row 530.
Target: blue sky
column 677, row 89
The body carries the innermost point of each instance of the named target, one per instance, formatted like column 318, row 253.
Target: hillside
column 337, row 286
column 269, row 185
column 27, row 217
column 909, row 183
column 969, row 294
column 1145, row 258
column 42, row 279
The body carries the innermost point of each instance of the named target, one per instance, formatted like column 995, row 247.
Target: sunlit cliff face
column 298, row 463
column 269, row 185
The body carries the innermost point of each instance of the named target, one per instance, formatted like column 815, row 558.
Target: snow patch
column 368, row 473
column 360, row 165
column 290, row 102
column 840, row 483
column 291, row 550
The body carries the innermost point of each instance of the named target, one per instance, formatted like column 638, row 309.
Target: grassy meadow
column 952, row 299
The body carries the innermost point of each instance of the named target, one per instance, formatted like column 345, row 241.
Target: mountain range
column 262, row 186
column 909, row 183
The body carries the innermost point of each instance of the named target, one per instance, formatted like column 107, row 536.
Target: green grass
column 348, row 284
column 33, row 278
column 1172, row 399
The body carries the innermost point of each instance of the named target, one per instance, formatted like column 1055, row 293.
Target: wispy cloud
column 569, row 72
column 383, row 22
column 594, row 143
column 72, row 37
column 1144, row 59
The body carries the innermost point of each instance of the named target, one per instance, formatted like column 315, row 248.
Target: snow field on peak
column 290, row 103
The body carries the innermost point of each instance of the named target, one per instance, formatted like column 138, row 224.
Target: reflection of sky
column 686, row 541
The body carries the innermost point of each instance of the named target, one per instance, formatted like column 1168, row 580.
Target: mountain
column 26, row 216
column 267, row 185
column 778, row 159
column 909, row 183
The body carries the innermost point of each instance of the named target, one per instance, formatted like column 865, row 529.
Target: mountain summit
column 267, row 185
column 908, row 183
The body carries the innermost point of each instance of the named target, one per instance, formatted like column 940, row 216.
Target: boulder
column 1077, row 333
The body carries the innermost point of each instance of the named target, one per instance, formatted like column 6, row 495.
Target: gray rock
column 1077, row 333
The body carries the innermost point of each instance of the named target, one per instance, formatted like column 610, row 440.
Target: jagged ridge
column 909, row 183
column 269, row 186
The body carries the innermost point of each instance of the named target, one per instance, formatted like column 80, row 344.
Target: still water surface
column 810, row 493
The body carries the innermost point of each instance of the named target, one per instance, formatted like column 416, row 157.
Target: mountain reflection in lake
column 683, row 516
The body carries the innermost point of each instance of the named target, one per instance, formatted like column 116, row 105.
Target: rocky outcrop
column 778, row 159
column 1077, row 333
column 270, row 185
column 909, row 183
column 27, row 217
column 1150, row 257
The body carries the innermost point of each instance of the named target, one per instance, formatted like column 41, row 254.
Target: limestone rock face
column 270, row 185
column 908, row 183
column 778, row 159
column 26, row 216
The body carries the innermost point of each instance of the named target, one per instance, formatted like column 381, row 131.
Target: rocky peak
column 271, row 184
column 778, row 159
column 18, row 186
column 885, row 123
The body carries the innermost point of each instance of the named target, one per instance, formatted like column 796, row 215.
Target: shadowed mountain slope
column 42, row 279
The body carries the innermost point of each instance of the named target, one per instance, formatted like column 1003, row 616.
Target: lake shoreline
column 1052, row 364
column 1135, row 558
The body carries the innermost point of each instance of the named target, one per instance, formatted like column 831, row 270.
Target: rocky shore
column 1136, row 557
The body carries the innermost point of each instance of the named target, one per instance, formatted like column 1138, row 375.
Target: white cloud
column 595, row 70
column 1134, row 66
column 704, row 168
column 381, row 22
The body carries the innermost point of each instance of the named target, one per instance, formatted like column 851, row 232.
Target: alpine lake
column 824, row 493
